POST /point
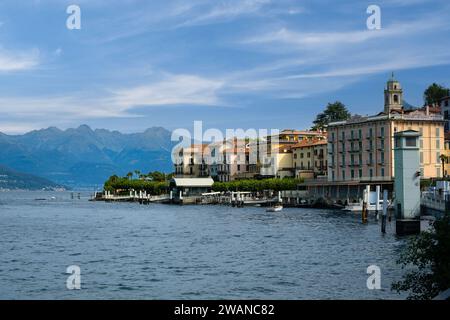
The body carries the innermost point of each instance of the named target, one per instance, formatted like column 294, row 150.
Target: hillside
column 13, row 180
column 85, row 157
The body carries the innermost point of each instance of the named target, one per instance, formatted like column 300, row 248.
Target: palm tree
column 129, row 175
column 444, row 158
column 137, row 173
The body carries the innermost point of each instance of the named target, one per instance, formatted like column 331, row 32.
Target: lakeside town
column 344, row 162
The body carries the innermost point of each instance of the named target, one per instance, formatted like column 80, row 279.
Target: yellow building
column 310, row 158
column 361, row 148
column 272, row 156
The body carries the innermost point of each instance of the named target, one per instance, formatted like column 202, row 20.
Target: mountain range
column 13, row 180
column 83, row 157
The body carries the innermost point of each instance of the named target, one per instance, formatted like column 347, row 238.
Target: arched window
column 395, row 98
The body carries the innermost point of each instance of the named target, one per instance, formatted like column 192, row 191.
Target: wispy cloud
column 226, row 10
column 173, row 89
column 16, row 61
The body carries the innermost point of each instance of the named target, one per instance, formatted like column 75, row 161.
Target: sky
column 270, row 64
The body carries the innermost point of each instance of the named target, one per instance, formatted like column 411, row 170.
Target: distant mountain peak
column 82, row 156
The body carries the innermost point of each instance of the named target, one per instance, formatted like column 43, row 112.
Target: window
column 382, row 157
column 332, row 136
column 410, row 142
column 438, row 144
column 343, row 174
column 382, row 131
column 395, row 98
column 446, row 103
column 371, row 173
column 438, row 132
column 239, row 167
column 360, row 173
column 438, row 172
column 295, row 156
column 352, row 173
column 422, row 173
column 332, row 175
column 382, row 172
column 421, row 144
column 360, row 133
column 438, row 157
column 421, row 157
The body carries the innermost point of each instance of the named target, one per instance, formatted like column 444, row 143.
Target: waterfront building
column 446, row 154
column 190, row 161
column 189, row 187
column 229, row 160
column 361, row 148
column 273, row 157
column 445, row 111
column 310, row 158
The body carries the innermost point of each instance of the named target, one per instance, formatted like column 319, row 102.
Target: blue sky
column 232, row 64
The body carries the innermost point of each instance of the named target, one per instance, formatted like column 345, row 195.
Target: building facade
column 445, row 111
column 310, row 158
column 361, row 148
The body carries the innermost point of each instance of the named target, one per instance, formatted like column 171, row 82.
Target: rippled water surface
column 131, row 251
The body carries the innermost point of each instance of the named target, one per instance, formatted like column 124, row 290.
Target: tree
column 428, row 256
column 434, row 94
column 444, row 159
column 335, row 111
column 129, row 175
column 157, row 176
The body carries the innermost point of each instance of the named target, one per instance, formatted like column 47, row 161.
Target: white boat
column 276, row 208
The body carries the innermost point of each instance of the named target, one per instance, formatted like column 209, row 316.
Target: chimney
column 427, row 110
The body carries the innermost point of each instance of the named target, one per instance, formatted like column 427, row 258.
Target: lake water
column 132, row 251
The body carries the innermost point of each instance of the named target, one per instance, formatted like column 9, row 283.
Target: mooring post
column 385, row 207
column 377, row 205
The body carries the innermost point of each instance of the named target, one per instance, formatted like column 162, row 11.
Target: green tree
column 335, row 111
column 434, row 94
column 157, row 176
column 427, row 257
column 129, row 175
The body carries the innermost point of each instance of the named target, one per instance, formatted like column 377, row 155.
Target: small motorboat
column 276, row 208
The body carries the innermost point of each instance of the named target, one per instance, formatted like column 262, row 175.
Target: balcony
column 370, row 163
column 354, row 150
column 354, row 164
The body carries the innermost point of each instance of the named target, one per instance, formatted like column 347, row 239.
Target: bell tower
column 393, row 96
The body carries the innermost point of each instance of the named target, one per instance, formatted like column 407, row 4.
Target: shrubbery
column 116, row 183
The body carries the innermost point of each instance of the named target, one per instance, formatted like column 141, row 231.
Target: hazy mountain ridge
column 14, row 180
column 82, row 156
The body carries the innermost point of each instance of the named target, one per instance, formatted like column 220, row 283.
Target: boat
column 276, row 208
